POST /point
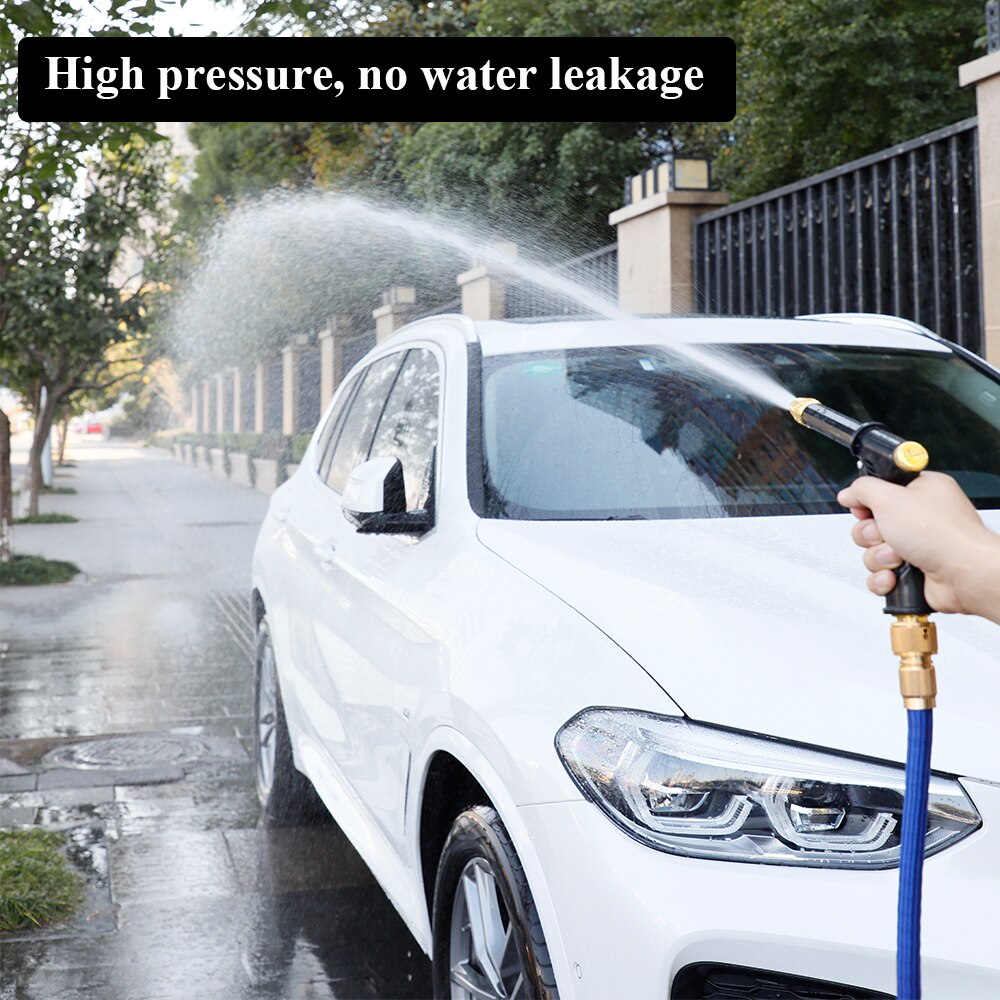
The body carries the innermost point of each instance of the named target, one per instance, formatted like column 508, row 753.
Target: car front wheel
column 488, row 940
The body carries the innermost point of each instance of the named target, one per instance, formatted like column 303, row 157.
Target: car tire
column 480, row 873
column 287, row 796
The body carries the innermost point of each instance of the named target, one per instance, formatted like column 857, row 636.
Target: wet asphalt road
column 125, row 719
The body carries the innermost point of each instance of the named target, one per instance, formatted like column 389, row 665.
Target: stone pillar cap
column 663, row 199
column 399, row 295
column 979, row 69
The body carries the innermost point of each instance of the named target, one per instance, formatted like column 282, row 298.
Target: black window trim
column 474, row 452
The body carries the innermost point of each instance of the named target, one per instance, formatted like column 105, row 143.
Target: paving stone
column 65, row 777
column 17, row 783
column 11, row 767
column 17, row 815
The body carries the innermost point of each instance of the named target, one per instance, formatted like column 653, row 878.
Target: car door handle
column 280, row 514
column 326, row 552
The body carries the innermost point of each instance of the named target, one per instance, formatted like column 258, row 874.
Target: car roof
column 513, row 337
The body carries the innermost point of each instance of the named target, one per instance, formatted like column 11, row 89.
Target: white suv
column 572, row 642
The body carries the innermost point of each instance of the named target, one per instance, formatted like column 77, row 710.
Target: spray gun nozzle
column 879, row 452
column 885, row 455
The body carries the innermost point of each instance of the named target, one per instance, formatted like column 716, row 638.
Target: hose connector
column 914, row 641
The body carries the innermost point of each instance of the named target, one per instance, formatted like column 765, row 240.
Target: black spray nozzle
column 881, row 454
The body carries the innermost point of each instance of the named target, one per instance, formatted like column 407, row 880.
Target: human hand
column 933, row 525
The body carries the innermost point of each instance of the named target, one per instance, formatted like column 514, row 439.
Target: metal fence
column 597, row 271
column 356, row 348
column 895, row 232
column 455, row 306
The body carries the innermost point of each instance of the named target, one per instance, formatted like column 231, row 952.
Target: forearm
column 981, row 584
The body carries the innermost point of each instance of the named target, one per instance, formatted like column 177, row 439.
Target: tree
column 426, row 18
column 822, row 84
column 239, row 160
column 818, row 84
column 40, row 171
column 548, row 185
column 69, row 298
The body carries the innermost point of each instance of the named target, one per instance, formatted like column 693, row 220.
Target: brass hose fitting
column 914, row 641
column 798, row 407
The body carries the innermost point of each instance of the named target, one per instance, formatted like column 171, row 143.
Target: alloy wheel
column 485, row 959
column 267, row 717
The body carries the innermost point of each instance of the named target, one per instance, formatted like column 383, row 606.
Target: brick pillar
column 290, row 385
column 206, row 408
column 220, row 403
column 484, row 286
column 655, row 253
column 399, row 306
column 260, row 374
column 331, row 357
column 237, row 377
column 985, row 74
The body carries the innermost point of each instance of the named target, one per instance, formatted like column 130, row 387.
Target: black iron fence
column 455, row 306
column 356, row 348
column 597, row 271
column 895, row 232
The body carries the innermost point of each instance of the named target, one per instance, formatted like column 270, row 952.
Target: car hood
column 764, row 624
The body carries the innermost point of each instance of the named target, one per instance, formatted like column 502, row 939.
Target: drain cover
column 118, row 752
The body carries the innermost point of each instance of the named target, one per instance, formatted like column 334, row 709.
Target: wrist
column 979, row 584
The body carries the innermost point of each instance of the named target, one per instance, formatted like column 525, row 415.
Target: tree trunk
column 63, row 434
column 6, row 493
column 43, row 425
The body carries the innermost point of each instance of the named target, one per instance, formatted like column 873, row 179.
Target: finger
column 866, row 534
column 882, row 582
column 881, row 557
column 861, row 513
column 867, row 491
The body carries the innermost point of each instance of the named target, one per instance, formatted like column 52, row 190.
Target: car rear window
column 636, row 432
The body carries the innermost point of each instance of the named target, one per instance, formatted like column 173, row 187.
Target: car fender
column 451, row 741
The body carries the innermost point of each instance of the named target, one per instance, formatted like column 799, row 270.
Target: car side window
column 331, row 429
column 361, row 419
column 408, row 428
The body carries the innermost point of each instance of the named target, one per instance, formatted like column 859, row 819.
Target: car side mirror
column 374, row 500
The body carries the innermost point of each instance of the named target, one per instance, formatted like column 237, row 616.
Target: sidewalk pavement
column 126, row 720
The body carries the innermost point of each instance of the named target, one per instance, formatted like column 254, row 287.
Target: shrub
column 298, row 447
column 37, row 885
column 49, row 517
column 23, row 571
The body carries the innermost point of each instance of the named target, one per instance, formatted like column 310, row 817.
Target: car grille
column 709, row 981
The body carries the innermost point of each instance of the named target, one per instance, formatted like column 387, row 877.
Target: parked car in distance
column 571, row 640
column 90, row 425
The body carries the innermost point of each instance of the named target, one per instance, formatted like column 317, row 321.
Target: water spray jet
column 313, row 237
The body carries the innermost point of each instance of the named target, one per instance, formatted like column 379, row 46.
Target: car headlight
column 711, row 793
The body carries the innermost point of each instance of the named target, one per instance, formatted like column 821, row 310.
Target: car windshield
column 636, row 432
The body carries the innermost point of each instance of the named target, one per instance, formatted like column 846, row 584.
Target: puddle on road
column 161, row 679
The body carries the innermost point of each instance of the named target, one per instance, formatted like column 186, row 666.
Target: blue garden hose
column 911, row 858
column 887, row 456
